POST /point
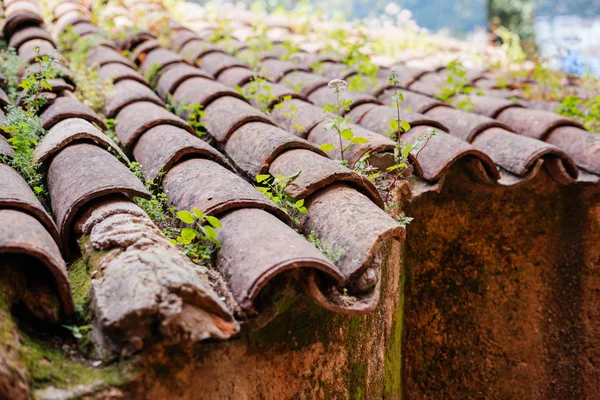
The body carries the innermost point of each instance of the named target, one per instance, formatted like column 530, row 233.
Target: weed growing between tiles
column 91, row 90
column 22, row 122
column 457, row 83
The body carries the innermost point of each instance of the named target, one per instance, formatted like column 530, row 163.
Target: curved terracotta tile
column 488, row 106
column 46, row 48
column 226, row 114
column 69, row 107
column 303, row 82
column 376, row 145
column 135, row 119
column 534, row 123
column 169, row 81
column 29, row 33
column 202, row 91
column 581, row 145
column 519, row 154
column 551, row 106
column 180, row 38
column 213, row 189
column 275, row 248
column 363, row 231
column 131, row 41
column 318, row 172
column 429, row 84
column 298, row 116
column 58, row 85
column 215, row 63
column 277, row 69
column 462, row 124
column 67, row 6
column 15, row 193
column 377, row 118
column 68, row 19
column 196, row 49
column 442, row 151
column 138, row 55
column 128, row 92
column 236, row 76
column 5, row 149
column 254, row 160
column 17, row 7
column 175, row 144
column 324, row 95
column 12, row 23
column 69, row 131
column 103, row 55
column 334, row 70
column 116, row 72
column 81, row 173
column 161, row 58
column 83, row 29
column 21, row 233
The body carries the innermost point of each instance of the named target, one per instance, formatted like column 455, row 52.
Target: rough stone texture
column 303, row 352
column 582, row 146
column 145, row 291
column 534, row 123
column 501, row 292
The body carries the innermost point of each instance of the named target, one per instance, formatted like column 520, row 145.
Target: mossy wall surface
column 304, row 352
column 501, row 292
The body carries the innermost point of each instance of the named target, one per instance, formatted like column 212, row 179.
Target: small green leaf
column 406, row 151
column 394, row 124
column 186, row 217
column 214, row 221
column 261, row 178
column 188, row 234
column 300, row 203
column 210, row 232
column 405, row 126
column 360, row 140
column 347, row 134
column 327, row 147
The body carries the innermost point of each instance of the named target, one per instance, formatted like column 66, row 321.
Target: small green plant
column 457, row 83
column 25, row 127
column 325, row 247
column 152, row 74
column 291, row 50
column 338, row 122
column 10, row 64
column 196, row 113
column 259, row 90
column 199, row 239
column 274, row 189
column 289, row 110
column 585, row 112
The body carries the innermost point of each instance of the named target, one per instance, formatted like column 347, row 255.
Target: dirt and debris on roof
column 149, row 128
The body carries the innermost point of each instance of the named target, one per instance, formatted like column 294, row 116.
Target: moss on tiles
column 50, row 366
column 80, row 280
